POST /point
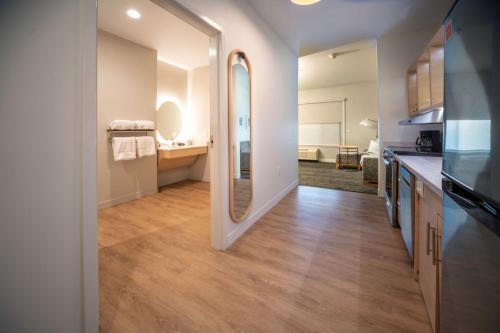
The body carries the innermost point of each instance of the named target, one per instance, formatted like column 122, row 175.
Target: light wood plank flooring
column 320, row 261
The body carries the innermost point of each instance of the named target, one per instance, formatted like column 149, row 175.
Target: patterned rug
column 320, row 174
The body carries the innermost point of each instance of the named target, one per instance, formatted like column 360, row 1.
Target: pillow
column 373, row 148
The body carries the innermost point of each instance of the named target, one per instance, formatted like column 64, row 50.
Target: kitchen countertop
column 426, row 168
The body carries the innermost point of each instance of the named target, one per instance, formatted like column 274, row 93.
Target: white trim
column 190, row 16
column 255, row 216
column 217, row 173
column 86, row 44
column 328, row 160
column 125, row 198
column 344, row 122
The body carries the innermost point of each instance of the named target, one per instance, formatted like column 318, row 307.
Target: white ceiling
column 176, row 41
column 356, row 62
column 330, row 23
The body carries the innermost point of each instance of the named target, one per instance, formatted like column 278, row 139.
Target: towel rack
column 145, row 132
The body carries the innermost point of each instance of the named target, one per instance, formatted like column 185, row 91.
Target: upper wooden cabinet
column 425, row 79
column 412, row 92
column 423, row 84
column 436, row 55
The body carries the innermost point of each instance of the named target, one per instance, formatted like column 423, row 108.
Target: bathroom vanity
column 172, row 157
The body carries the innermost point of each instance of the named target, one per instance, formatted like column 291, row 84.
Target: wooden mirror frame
column 231, row 122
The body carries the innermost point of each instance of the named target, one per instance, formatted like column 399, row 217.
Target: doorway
column 338, row 127
column 157, row 120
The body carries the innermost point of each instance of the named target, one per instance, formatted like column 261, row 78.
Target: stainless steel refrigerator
column 470, row 290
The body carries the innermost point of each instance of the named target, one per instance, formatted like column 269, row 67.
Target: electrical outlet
column 279, row 170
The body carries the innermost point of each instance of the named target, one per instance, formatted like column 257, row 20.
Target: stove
column 426, row 151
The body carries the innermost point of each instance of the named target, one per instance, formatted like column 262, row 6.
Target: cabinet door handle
column 437, row 259
column 428, row 248
column 434, row 241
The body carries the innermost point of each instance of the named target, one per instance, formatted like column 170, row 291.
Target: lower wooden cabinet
column 428, row 230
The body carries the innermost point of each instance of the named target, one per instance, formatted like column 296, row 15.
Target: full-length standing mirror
column 240, row 135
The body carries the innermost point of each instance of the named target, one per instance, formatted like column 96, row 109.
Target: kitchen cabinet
column 412, row 92
column 425, row 78
column 423, row 84
column 436, row 61
column 428, row 224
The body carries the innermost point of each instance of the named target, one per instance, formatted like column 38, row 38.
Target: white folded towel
column 124, row 148
column 146, row 146
column 145, row 124
column 122, row 125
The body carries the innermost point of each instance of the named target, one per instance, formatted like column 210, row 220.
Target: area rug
column 321, row 174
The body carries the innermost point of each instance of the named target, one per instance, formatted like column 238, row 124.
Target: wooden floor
column 320, row 261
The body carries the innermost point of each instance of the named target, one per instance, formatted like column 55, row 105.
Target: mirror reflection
column 169, row 121
column 240, row 135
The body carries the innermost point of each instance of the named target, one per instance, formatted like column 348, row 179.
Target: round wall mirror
column 169, row 120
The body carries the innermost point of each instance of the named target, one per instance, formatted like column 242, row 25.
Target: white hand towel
column 145, row 124
column 124, row 148
column 122, row 125
column 146, row 146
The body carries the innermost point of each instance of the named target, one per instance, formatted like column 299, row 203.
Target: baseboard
column 125, row 198
column 328, row 160
column 255, row 216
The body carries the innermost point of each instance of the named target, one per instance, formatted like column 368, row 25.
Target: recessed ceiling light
column 305, row 2
column 133, row 14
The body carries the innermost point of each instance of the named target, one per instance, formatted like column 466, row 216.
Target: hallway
column 320, row 261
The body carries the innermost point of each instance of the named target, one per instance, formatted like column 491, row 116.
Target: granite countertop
column 426, row 168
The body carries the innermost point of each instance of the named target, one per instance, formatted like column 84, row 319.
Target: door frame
column 86, row 44
column 214, row 32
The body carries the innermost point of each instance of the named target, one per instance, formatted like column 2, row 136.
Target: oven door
column 391, row 174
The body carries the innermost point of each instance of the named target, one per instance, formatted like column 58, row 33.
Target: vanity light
column 305, row 2
column 132, row 13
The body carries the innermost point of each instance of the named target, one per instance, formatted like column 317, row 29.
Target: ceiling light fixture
column 132, row 13
column 305, row 2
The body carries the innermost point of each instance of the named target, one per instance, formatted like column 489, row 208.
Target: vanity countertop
column 426, row 168
column 181, row 147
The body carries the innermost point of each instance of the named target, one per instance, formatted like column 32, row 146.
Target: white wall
column 173, row 85
column 48, row 279
column 191, row 90
column 199, row 104
column 275, row 99
column 395, row 54
column 361, row 104
column 48, row 246
column 126, row 89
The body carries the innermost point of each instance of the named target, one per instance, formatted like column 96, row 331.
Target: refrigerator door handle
column 480, row 210
column 468, row 203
